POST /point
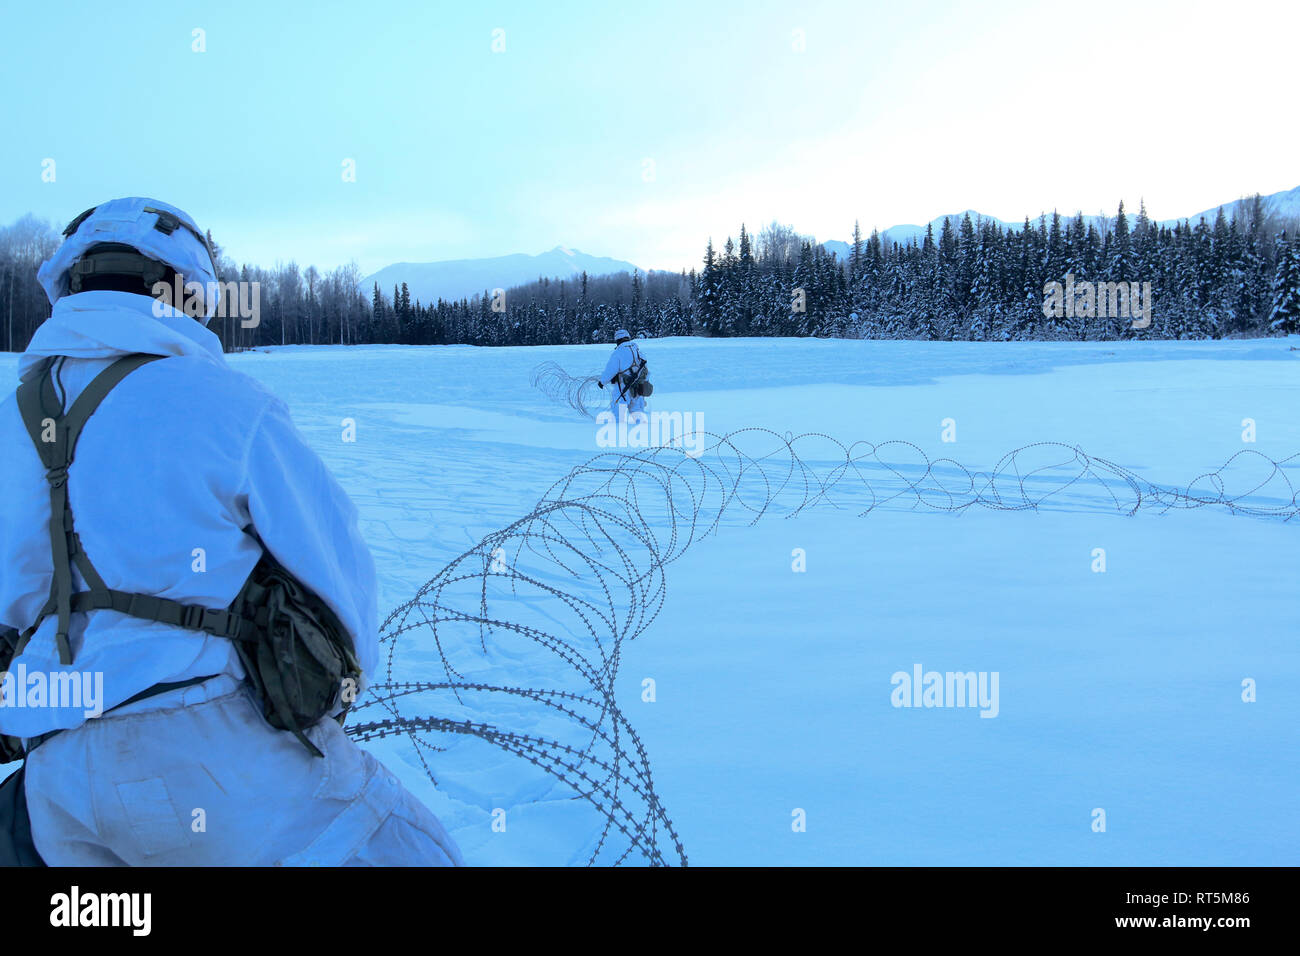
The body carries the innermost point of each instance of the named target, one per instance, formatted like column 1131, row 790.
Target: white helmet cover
column 154, row 228
column 621, row 336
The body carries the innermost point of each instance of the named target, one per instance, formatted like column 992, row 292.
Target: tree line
column 974, row 280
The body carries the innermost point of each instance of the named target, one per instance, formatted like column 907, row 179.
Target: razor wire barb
column 580, row 394
column 526, row 629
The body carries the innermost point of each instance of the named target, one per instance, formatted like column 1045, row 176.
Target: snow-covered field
column 1118, row 691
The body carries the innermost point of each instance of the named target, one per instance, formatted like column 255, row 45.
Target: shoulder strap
column 628, row 375
column 55, row 437
column 638, row 359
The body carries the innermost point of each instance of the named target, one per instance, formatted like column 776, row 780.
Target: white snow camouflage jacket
column 623, row 358
column 182, row 455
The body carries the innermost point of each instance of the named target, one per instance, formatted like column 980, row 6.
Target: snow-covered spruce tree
column 1054, row 261
column 984, row 292
column 746, row 285
column 1119, row 265
column 1252, row 288
column 946, row 289
column 709, row 304
column 966, row 269
column 855, row 255
column 801, row 323
column 1285, row 315
column 867, row 297
column 728, row 290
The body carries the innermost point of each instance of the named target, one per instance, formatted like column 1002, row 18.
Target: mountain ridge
column 1283, row 205
column 455, row 279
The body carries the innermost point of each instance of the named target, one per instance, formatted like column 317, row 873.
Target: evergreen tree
column 748, row 291
column 855, row 255
column 1055, row 265
column 1121, row 248
column 709, row 296
column 1285, row 316
column 803, row 323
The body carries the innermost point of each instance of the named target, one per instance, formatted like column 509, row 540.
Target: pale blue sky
column 892, row 112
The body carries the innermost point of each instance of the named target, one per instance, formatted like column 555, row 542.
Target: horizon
column 368, row 274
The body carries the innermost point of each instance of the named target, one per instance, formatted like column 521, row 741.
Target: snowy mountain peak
column 1282, row 205
column 455, row 279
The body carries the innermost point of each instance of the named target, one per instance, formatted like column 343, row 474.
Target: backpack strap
column 55, row 436
column 627, row 376
column 305, row 650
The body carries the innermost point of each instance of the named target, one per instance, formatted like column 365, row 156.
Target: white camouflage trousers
column 211, row 783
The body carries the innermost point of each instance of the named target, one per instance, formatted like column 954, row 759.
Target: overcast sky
column 640, row 129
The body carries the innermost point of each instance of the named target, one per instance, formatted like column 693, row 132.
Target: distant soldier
column 627, row 374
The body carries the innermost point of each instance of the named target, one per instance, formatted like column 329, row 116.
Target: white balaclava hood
column 155, row 229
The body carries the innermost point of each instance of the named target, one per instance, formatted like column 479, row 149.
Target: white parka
column 179, row 458
column 626, row 356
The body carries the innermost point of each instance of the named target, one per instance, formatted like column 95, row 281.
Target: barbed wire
column 580, row 394
column 525, row 631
